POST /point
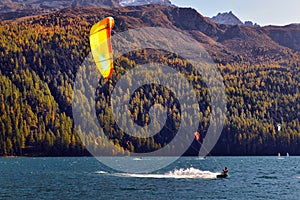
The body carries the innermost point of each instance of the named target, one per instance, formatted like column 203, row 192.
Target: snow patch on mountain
column 125, row 3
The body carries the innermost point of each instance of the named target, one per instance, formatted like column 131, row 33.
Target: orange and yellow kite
column 101, row 46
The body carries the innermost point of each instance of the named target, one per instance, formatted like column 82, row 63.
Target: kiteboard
column 222, row 175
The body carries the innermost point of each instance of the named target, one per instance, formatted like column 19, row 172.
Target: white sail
column 279, row 157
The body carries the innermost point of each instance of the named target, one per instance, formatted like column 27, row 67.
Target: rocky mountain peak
column 228, row 18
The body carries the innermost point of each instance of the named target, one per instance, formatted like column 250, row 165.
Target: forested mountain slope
column 41, row 55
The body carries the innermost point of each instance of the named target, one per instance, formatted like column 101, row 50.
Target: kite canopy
column 101, row 46
column 197, row 135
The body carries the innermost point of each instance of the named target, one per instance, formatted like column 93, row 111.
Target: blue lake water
column 187, row 178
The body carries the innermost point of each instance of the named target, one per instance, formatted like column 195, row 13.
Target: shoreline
column 146, row 156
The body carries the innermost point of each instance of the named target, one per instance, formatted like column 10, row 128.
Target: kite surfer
column 225, row 171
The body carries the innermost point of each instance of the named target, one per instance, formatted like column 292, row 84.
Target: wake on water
column 101, row 172
column 190, row 173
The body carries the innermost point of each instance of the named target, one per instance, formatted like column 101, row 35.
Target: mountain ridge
column 54, row 5
column 226, row 43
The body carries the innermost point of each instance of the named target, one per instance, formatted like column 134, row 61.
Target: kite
column 101, row 46
column 197, row 135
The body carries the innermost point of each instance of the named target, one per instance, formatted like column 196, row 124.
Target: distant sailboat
column 279, row 157
column 287, row 155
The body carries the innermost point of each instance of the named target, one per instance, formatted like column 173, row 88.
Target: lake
column 187, row 178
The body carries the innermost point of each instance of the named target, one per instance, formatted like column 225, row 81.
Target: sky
column 263, row 12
